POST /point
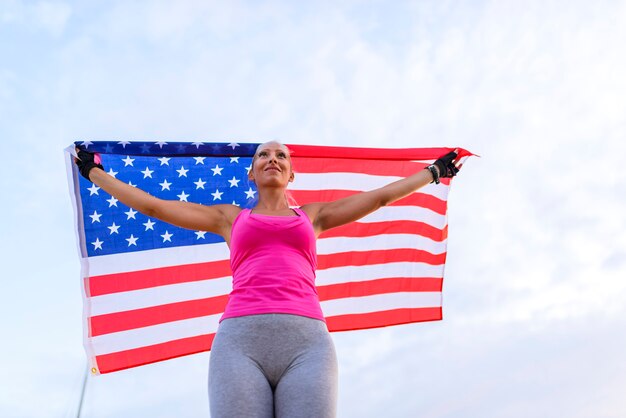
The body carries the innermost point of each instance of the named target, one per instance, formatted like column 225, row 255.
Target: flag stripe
column 328, row 256
column 380, row 286
column 358, row 229
column 156, row 258
column 171, row 294
column 171, row 349
column 373, row 271
column 124, row 282
column 121, row 360
column 343, row 165
column 383, row 318
column 335, row 245
column 163, row 332
column 154, row 315
column 356, row 181
column 361, row 258
column 123, row 321
column 327, row 195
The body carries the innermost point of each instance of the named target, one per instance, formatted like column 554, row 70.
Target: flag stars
column 128, row 161
column 217, row 170
column 199, row 160
column 250, row 193
column 234, row 160
column 165, row 185
column 112, row 202
column 160, row 144
column 234, row 182
column 199, row 184
column 130, row 214
column 200, row 234
column 130, row 183
column 149, row 225
column 86, row 144
column 145, row 148
column 217, row 195
column 233, row 145
column 248, row 168
column 97, row 244
column 123, row 144
column 197, row 144
column 132, row 240
column 164, row 161
column 167, row 236
column 95, row 217
column 93, row 190
column 147, row 173
column 235, row 204
column 114, row 229
column 182, row 172
column 112, row 173
column 183, row 196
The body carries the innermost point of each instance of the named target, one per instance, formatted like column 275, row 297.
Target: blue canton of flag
column 166, row 171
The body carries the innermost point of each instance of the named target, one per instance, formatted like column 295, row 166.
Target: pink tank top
column 273, row 259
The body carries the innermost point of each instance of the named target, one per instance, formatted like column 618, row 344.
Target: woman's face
column 271, row 166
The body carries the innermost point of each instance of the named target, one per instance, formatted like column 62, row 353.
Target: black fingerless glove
column 444, row 167
column 86, row 161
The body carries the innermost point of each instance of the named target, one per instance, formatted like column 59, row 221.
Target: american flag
column 153, row 291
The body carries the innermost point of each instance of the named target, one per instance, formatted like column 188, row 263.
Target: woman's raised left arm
column 327, row 215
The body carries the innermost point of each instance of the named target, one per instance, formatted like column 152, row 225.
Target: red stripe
column 142, row 279
column 382, row 318
column 341, row 165
column 317, row 151
column 126, row 359
column 154, row 315
column 328, row 195
column 357, row 229
column 362, row 258
column 379, row 286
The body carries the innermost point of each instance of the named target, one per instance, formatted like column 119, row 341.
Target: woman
column 272, row 354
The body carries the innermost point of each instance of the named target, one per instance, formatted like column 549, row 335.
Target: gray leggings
column 273, row 365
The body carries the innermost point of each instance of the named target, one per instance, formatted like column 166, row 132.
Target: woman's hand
column 445, row 166
column 86, row 161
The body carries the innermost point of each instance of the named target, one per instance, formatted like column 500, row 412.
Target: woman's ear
column 292, row 177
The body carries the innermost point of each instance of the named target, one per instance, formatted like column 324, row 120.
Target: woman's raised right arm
column 217, row 219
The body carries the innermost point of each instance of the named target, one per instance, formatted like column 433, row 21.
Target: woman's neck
column 272, row 201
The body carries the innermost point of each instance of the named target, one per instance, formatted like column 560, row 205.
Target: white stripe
column 382, row 302
column 377, row 271
column 152, row 259
column 334, row 245
column 406, row 213
column 357, row 181
column 161, row 295
column 156, row 334
column 181, row 292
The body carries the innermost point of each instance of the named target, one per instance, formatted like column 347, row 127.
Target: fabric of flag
column 153, row 291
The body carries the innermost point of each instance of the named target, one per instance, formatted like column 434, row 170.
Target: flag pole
column 82, row 392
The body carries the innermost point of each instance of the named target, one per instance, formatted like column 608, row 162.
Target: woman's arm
column 217, row 219
column 329, row 215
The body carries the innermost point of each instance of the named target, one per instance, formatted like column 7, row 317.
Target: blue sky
column 534, row 307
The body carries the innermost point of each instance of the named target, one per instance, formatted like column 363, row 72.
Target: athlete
column 272, row 355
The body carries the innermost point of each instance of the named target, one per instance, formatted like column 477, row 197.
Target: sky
column 535, row 285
